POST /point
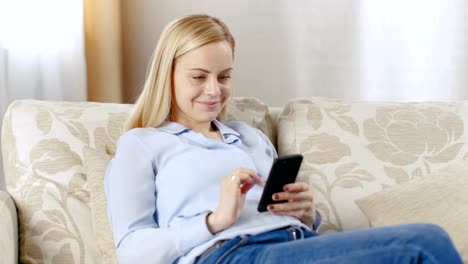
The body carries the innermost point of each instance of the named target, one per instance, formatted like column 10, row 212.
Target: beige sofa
column 368, row 164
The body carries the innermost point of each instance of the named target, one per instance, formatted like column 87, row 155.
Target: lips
column 209, row 104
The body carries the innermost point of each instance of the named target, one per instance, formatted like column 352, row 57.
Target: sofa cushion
column 42, row 145
column 440, row 199
column 96, row 163
column 353, row 149
column 46, row 178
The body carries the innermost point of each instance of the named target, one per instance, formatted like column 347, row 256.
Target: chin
column 208, row 118
column 208, row 114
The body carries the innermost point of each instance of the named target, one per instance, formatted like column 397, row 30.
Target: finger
column 246, row 170
column 239, row 178
column 296, row 214
column 286, row 196
column 233, row 182
column 249, row 171
column 290, row 206
column 296, row 187
column 242, row 181
column 251, row 174
column 303, row 215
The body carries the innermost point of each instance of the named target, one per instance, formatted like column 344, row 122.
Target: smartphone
column 283, row 171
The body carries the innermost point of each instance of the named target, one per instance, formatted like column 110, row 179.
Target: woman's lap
column 412, row 243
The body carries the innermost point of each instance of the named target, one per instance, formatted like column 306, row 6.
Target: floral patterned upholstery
column 353, row 149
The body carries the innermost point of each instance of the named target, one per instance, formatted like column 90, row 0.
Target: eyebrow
column 207, row 71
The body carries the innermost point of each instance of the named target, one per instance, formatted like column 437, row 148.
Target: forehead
column 210, row 56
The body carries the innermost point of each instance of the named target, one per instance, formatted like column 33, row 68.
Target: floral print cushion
column 42, row 149
column 353, row 149
column 42, row 146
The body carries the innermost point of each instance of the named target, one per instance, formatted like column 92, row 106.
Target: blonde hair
column 180, row 36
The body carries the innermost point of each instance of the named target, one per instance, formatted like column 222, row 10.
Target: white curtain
column 383, row 50
column 41, row 52
column 414, row 50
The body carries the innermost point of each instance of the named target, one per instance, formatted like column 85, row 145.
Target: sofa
column 368, row 164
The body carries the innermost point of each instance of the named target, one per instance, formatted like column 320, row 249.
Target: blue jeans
column 409, row 243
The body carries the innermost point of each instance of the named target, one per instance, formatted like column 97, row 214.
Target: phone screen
column 283, row 171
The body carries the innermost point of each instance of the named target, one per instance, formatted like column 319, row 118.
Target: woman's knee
column 423, row 236
column 433, row 241
column 427, row 232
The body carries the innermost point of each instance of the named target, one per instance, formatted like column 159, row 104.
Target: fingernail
column 286, row 188
column 271, row 207
column 275, row 197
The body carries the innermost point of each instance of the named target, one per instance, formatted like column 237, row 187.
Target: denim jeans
column 409, row 243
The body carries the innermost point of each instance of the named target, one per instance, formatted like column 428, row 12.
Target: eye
column 224, row 78
column 199, row 78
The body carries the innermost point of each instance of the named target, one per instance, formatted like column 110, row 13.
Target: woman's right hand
column 234, row 188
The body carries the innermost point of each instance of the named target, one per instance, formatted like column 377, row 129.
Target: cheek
column 226, row 91
column 184, row 90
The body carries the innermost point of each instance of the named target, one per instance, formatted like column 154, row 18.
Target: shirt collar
column 177, row 128
column 225, row 130
column 173, row 128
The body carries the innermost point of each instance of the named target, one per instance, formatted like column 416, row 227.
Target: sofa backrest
column 353, row 149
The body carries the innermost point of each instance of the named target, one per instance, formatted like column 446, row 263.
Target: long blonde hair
column 180, row 36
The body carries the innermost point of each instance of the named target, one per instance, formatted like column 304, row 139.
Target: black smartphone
column 283, row 171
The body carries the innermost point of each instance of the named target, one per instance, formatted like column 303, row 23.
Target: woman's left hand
column 299, row 202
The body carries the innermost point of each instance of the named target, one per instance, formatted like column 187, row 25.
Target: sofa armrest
column 8, row 229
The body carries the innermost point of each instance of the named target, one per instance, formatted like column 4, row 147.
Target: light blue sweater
column 163, row 182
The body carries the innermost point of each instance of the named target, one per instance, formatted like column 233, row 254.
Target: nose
column 213, row 87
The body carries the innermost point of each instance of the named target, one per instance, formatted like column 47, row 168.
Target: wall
column 385, row 50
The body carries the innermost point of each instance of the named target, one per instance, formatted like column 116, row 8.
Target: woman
column 184, row 187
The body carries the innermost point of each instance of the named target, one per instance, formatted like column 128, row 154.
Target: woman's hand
column 234, row 188
column 299, row 202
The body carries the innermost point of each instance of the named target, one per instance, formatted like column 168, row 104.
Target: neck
column 203, row 128
column 208, row 129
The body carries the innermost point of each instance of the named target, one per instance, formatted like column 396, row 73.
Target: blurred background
column 90, row 50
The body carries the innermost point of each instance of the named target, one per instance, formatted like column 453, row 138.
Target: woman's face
column 202, row 84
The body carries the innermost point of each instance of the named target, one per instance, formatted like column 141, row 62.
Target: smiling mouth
column 209, row 104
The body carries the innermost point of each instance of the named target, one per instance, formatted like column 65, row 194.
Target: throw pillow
column 96, row 163
column 440, row 199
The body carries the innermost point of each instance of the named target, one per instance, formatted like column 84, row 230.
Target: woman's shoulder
column 139, row 132
column 142, row 134
column 147, row 139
